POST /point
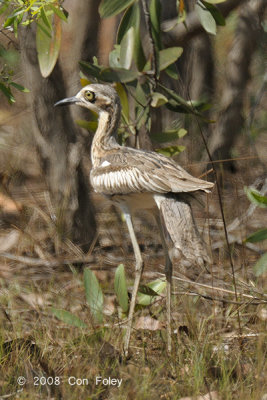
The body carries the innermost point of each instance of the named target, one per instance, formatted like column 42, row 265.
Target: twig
column 6, row 396
column 37, row 262
column 207, row 297
column 211, row 287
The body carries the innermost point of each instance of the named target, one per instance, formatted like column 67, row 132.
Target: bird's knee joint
column 139, row 265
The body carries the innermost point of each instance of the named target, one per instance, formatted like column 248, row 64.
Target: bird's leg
column 168, row 273
column 139, row 265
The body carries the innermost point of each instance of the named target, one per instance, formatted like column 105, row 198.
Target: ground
column 219, row 339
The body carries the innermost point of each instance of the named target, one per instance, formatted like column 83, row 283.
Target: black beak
column 65, row 102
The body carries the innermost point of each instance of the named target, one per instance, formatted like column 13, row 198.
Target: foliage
column 94, row 296
column 121, row 288
column 8, row 60
column 47, row 14
column 140, row 73
column 129, row 65
column 261, row 201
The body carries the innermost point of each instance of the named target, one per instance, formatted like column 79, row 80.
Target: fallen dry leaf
column 5, row 273
column 9, row 240
column 109, row 305
column 148, row 323
column 34, row 300
column 7, row 205
column 262, row 314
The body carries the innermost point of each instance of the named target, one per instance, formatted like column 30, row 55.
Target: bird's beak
column 67, row 101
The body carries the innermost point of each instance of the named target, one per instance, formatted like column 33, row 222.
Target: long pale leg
column 139, row 265
column 168, row 273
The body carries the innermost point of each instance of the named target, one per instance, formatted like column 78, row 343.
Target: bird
column 139, row 179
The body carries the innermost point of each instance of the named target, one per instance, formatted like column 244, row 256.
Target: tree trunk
column 245, row 42
column 59, row 150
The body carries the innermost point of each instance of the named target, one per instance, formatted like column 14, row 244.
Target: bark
column 79, row 44
column 231, row 120
column 59, row 150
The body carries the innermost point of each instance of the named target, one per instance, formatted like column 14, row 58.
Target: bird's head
column 95, row 97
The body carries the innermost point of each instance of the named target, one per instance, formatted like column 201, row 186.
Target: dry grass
column 210, row 354
column 38, row 272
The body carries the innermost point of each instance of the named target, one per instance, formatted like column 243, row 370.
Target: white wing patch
column 105, row 164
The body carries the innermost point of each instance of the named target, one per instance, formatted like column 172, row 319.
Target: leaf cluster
column 95, row 299
column 47, row 14
column 8, row 59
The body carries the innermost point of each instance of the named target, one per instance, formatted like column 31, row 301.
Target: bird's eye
column 90, row 96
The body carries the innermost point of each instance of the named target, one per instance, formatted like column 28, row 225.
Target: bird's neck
column 104, row 138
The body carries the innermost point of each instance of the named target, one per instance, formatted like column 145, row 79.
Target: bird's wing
column 130, row 170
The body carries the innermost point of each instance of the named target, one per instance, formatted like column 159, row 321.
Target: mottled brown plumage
column 134, row 179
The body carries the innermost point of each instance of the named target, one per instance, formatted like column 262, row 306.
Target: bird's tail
column 179, row 222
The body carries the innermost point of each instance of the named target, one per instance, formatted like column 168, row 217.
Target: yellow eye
column 90, row 96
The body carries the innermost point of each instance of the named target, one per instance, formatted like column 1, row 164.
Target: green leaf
column 261, row 265
column 7, row 92
column 44, row 30
column 108, row 8
column 144, row 289
column 155, row 16
column 121, row 288
column 168, row 136
column 257, row 236
column 131, row 18
column 157, row 287
column 3, row 8
column 48, row 47
column 171, row 150
column 169, row 56
column 215, row 12
column 61, row 14
column 172, row 71
column 142, row 108
column 114, row 57
column 19, row 87
column 118, row 75
column 206, row 19
column 9, row 22
column 166, row 58
column 94, row 295
column 68, row 318
column 89, row 125
column 124, row 100
column 215, row 1
column 256, row 198
column 177, row 101
column 158, row 99
column 126, row 49
column 45, row 18
column 181, row 11
column 84, row 82
column 90, row 69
